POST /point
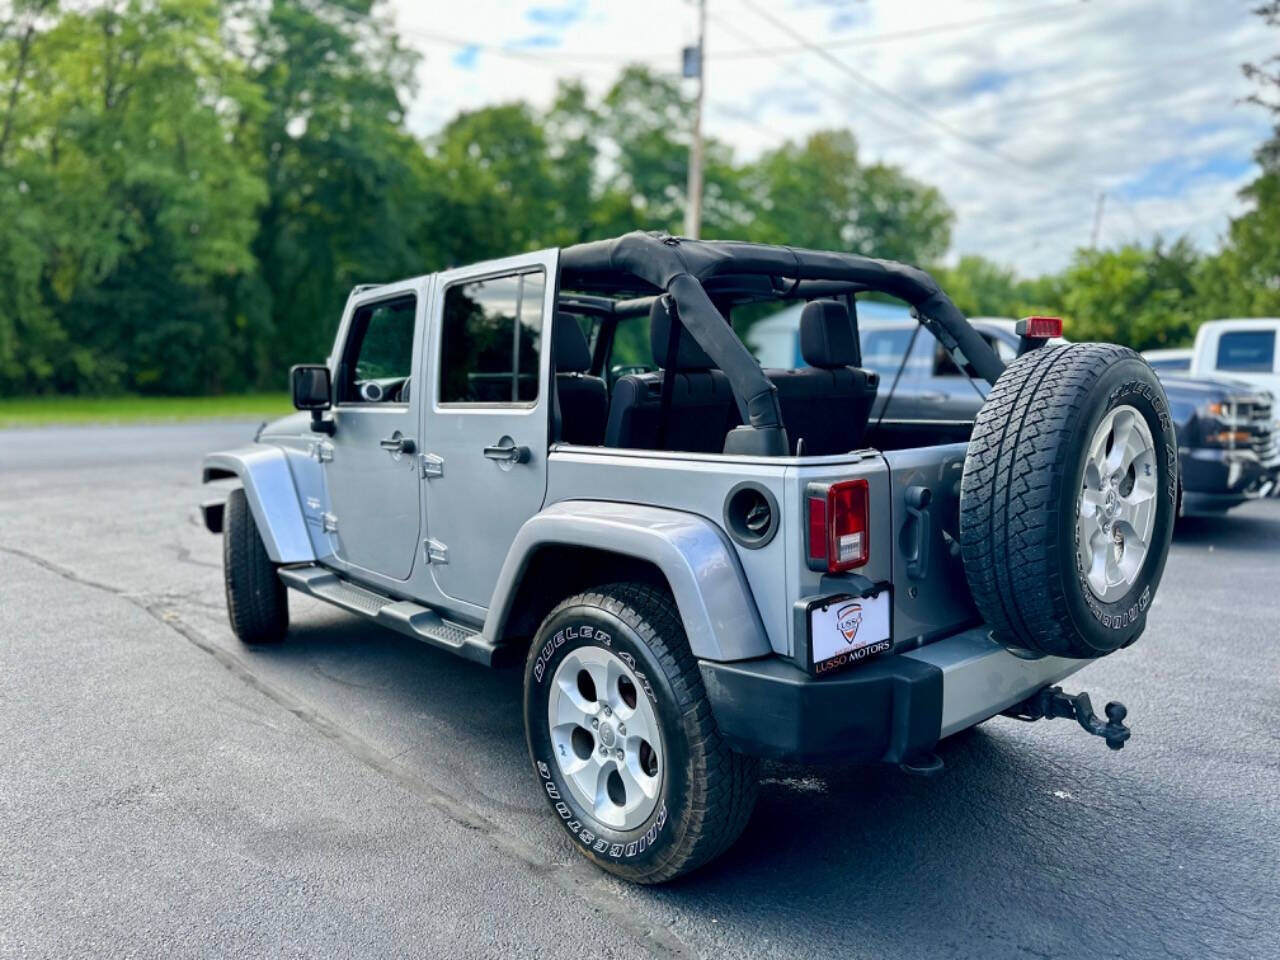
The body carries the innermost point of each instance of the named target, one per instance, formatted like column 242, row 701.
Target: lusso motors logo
column 848, row 620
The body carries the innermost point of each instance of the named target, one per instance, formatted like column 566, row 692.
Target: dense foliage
column 189, row 188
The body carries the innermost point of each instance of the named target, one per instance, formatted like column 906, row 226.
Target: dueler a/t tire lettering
column 707, row 790
column 1021, row 496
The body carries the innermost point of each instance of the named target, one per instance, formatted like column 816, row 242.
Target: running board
column 404, row 616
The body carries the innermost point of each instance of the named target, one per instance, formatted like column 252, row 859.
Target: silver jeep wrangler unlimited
column 702, row 562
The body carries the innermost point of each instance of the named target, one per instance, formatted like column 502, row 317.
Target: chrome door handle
column 397, row 444
column 507, row 453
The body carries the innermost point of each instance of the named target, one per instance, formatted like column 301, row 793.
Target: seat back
column 583, row 400
column 828, row 403
column 702, row 410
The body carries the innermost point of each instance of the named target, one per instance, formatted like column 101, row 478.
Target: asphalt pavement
column 165, row 792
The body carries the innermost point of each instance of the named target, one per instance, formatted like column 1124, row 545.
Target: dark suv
column 1228, row 450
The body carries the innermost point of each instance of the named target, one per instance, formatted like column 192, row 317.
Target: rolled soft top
column 660, row 263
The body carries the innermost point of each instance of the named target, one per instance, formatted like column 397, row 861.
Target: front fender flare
column 273, row 498
column 711, row 592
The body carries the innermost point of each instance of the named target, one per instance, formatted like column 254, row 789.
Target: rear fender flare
column 710, row 589
column 268, row 484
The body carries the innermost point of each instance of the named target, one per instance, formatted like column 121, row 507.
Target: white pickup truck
column 1240, row 350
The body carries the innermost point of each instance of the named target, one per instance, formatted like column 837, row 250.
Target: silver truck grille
column 1256, row 417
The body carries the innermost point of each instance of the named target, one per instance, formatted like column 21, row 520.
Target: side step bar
column 403, row 616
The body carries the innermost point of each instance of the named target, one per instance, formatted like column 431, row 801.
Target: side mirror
column 311, row 389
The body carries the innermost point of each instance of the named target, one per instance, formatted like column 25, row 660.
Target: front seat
column 828, row 403
column 583, row 399
column 702, row 406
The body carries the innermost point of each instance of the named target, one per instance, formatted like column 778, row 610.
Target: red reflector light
column 839, row 528
column 818, row 529
column 1040, row 328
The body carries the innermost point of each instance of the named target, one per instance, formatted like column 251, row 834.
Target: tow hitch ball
column 1051, row 702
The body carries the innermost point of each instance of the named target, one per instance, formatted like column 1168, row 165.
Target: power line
column 818, row 85
column 623, row 57
column 1125, row 76
column 914, row 135
column 884, row 92
column 1053, row 186
column 892, row 36
column 941, row 124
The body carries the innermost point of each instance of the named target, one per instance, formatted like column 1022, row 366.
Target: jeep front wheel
column 257, row 601
column 622, row 738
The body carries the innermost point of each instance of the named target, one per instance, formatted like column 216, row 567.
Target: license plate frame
column 829, row 623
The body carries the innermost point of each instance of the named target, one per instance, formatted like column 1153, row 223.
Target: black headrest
column 569, row 343
column 690, row 358
column 827, row 335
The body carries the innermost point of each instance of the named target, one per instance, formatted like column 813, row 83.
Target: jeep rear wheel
column 622, row 738
column 1068, row 500
column 257, row 600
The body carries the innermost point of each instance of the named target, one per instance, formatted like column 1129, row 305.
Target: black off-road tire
column 707, row 792
column 1020, row 499
column 257, row 600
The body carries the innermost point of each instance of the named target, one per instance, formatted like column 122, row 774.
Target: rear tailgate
column 931, row 597
column 911, row 543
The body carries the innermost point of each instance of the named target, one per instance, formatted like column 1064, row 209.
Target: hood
column 293, row 425
column 1200, row 388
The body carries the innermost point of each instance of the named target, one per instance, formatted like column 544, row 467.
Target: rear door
column 486, row 433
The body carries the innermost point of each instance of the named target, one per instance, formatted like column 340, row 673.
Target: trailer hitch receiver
column 1051, row 702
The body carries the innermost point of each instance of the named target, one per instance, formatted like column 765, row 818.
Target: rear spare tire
column 1068, row 500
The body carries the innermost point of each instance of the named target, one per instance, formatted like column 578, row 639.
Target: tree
column 1244, row 279
column 816, row 194
column 981, row 288
column 345, row 182
column 138, row 199
column 1142, row 297
column 190, row 188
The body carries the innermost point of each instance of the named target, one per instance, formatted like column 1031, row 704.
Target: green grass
column 46, row 411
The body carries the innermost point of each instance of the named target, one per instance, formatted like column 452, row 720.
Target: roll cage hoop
column 648, row 264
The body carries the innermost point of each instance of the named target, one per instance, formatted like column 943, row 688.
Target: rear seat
column 583, row 399
column 703, row 410
column 829, row 402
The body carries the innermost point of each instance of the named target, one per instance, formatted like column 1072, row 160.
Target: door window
column 882, row 350
column 1247, row 351
column 944, row 362
column 491, row 339
column 379, row 353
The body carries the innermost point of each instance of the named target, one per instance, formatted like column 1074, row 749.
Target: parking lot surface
column 167, row 792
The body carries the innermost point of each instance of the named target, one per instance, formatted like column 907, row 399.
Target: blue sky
column 1021, row 111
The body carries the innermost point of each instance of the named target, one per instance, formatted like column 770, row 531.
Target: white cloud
column 1134, row 97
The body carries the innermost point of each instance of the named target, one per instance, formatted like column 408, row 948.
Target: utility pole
column 1097, row 220
column 694, row 66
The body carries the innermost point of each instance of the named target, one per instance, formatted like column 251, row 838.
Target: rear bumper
column 892, row 708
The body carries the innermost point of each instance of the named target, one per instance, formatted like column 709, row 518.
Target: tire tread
column 257, row 600
column 1011, row 492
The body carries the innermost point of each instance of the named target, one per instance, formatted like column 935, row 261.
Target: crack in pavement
column 184, row 556
column 578, row 877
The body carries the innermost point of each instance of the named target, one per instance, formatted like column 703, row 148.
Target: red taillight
column 1040, row 328
column 839, row 534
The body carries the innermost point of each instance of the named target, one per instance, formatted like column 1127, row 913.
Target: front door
column 488, row 415
column 372, row 476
